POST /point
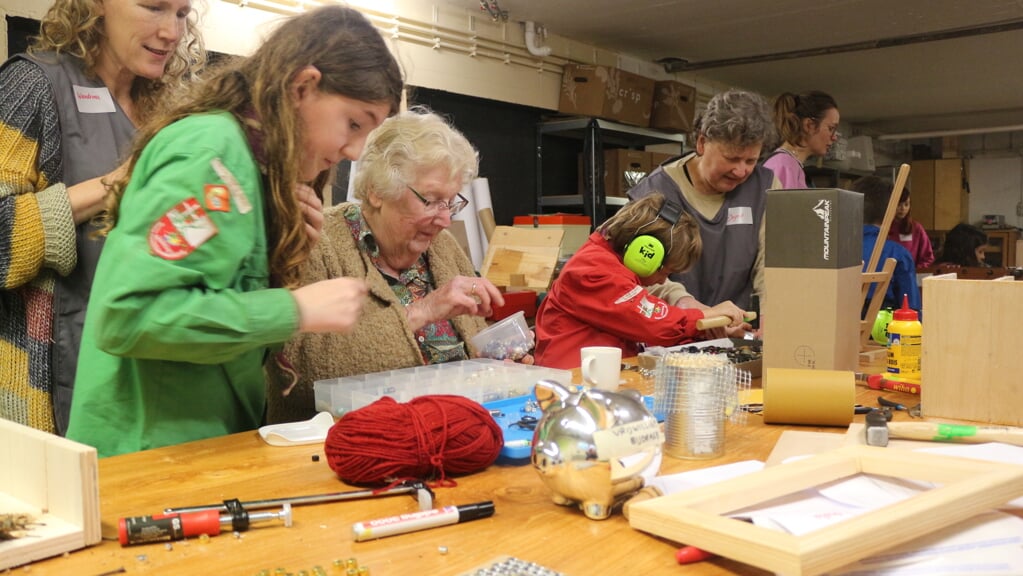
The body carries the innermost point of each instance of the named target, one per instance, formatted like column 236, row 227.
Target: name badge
column 739, row 215
column 93, row 100
column 906, row 237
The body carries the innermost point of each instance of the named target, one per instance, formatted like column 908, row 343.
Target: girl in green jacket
column 198, row 278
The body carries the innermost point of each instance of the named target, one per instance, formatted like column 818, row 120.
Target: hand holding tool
column 721, row 321
column 878, row 431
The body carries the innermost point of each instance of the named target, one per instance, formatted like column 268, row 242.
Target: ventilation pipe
column 535, row 50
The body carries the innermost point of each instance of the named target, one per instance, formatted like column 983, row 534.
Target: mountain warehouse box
column 812, row 274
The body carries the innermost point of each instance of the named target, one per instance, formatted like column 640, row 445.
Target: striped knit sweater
column 37, row 241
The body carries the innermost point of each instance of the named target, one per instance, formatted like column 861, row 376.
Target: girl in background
column 911, row 234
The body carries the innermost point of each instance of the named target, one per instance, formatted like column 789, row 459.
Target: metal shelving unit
column 595, row 134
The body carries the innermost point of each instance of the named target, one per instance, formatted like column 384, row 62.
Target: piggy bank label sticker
column 627, row 446
column 181, row 230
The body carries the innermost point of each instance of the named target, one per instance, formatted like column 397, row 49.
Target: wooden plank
column 695, row 517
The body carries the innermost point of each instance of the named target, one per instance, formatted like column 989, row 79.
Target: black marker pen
column 413, row 521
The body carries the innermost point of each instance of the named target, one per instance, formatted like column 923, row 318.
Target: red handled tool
column 181, row 525
column 879, row 382
column 691, row 555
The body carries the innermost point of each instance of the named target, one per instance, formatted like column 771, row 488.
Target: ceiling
column 967, row 77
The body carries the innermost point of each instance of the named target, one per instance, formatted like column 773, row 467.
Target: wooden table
column 527, row 524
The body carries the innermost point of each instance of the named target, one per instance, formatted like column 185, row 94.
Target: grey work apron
column 92, row 144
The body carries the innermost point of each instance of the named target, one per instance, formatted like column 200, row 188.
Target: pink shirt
column 917, row 242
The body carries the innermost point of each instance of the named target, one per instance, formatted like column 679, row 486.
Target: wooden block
column 697, row 517
column 54, row 480
column 522, row 257
column 970, row 357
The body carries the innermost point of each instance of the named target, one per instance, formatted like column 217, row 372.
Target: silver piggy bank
column 594, row 448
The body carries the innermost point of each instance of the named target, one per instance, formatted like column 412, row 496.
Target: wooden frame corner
column 697, row 517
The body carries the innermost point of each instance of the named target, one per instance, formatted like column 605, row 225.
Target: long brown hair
column 354, row 62
column 75, row 27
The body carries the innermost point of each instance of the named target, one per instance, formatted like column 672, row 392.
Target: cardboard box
column 623, row 169
column 606, row 92
column 576, row 228
column 970, row 357
column 814, row 228
column 674, row 106
column 813, row 279
column 658, row 158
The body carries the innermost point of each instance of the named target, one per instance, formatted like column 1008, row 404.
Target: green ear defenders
column 645, row 253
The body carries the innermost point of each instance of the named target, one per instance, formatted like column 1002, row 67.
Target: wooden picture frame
column 696, row 517
column 53, row 480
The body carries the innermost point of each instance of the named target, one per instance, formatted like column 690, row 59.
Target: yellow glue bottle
column 905, row 340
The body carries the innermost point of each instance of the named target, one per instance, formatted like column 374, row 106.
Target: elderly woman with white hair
column 425, row 301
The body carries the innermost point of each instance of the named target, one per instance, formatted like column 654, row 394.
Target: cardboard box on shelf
column 623, row 169
column 606, row 92
column 674, row 107
column 813, row 238
column 658, row 158
column 576, row 228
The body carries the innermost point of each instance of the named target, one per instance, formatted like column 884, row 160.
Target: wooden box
column 523, row 258
column 970, row 352
column 54, row 481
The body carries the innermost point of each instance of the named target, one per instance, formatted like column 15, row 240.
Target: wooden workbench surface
column 526, row 523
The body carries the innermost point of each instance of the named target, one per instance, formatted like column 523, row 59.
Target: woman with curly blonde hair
column 207, row 229
column 97, row 69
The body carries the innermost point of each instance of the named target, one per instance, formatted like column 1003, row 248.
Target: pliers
column 882, row 401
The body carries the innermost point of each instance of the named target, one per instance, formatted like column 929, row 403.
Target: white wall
column 996, row 187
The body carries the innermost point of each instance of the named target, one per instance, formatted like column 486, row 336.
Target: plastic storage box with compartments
column 480, row 379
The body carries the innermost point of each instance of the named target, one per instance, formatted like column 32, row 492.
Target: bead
column 442, row 549
column 204, row 538
column 316, row 457
column 363, row 570
column 168, row 546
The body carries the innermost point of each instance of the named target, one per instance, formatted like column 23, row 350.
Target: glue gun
column 879, row 382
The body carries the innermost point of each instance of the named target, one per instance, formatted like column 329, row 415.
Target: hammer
column 722, row 321
column 878, row 431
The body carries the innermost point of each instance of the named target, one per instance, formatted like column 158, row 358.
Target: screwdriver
column 178, row 526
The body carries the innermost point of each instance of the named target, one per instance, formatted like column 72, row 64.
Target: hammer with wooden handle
column 878, row 431
column 721, row 321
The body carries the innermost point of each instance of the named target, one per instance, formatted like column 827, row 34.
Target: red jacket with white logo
column 597, row 301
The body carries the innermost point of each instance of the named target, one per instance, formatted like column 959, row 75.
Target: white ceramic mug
column 601, row 366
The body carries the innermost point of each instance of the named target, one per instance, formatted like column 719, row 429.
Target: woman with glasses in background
column 425, row 301
column 808, row 126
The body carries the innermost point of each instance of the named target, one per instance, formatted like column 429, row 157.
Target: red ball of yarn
column 431, row 436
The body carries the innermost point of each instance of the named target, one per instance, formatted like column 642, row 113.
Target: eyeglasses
column 454, row 206
column 833, row 130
